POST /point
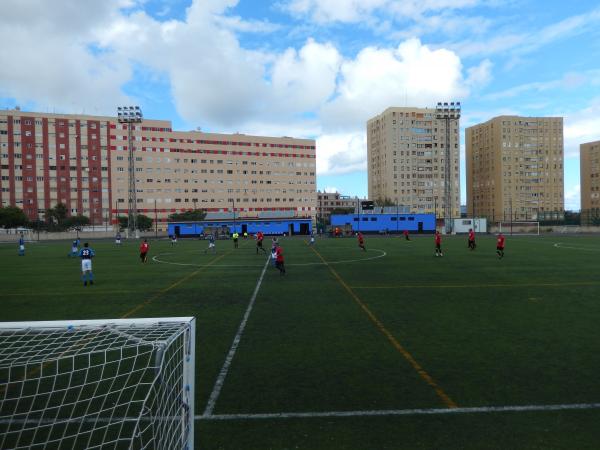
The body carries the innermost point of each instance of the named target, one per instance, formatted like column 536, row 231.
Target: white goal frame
column 33, row 356
column 506, row 227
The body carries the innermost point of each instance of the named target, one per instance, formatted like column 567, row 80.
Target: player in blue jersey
column 211, row 244
column 74, row 250
column 86, row 254
column 21, row 245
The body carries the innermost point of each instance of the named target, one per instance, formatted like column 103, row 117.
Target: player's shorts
column 118, row 241
column 259, row 243
column 86, row 264
column 438, row 246
column 499, row 248
column 211, row 244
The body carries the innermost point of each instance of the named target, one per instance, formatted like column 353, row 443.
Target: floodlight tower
column 131, row 115
column 448, row 113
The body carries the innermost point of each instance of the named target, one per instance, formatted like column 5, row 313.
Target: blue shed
column 273, row 226
column 379, row 223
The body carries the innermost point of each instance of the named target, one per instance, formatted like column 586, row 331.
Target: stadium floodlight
column 448, row 112
column 123, row 383
column 130, row 115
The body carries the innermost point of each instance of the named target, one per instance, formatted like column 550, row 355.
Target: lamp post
column 233, row 207
column 155, row 221
column 447, row 112
column 130, row 115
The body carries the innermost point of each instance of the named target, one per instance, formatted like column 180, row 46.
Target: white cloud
column 377, row 78
column 47, row 57
column 573, row 197
column 341, row 153
column 581, row 127
column 353, row 11
column 216, row 83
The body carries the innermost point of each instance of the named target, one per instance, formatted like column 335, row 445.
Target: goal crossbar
column 521, row 227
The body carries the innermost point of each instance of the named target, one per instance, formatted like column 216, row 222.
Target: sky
column 314, row 69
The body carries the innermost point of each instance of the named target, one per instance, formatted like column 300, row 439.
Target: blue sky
column 308, row 68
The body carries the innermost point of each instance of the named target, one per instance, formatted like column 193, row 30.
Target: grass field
column 384, row 349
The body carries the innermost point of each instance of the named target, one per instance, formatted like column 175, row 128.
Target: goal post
column 115, row 383
column 530, row 228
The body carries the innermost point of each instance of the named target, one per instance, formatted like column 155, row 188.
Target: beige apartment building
column 590, row 176
column 329, row 201
column 82, row 161
column 515, row 167
column 406, row 159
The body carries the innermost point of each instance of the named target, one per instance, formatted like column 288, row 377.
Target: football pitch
column 391, row 348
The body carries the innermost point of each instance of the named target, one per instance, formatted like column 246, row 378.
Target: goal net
column 97, row 384
column 532, row 228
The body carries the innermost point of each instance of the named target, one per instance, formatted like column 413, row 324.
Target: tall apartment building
column 82, row 161
column 406, row 159
column 515, row 167
column 590, row 176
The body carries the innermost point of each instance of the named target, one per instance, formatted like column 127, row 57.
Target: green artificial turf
column 393, row 328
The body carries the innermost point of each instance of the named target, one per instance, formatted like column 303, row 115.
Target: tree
column 386, row 201
column 188, row 216
column 144, row 223
column 74, row 222
column 56, row 216
column 12, row 217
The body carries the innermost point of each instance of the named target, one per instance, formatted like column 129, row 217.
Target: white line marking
column 344, row 261
column 401, row 412
column 559, row 245
column 310, row 415
column 214, row 395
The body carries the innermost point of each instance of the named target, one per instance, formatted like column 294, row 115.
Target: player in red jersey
column 259, row 242
column 500, row 246
column 144, row 248
column 438, row 244
column 471, row 239
column 361, row 241
column 405, row 233
column 279, row 261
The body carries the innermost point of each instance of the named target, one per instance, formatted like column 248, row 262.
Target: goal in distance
column 98, row 384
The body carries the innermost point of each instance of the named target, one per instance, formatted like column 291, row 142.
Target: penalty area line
column 214, row 395
column 402, row 412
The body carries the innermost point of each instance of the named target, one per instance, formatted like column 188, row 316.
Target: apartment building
column 406, row 159
column 514, row 168
column 590, row 176
column 83, row 161
column 328, row 201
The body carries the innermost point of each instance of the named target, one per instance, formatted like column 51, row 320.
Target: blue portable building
column 380, row 223
column 273, row 226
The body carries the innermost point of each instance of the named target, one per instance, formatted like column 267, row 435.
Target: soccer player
column 21, row 245
column 74, row 250
column 500, row 246
column 86, row 254
column 312, row 238
column 173, row 240
column 438, row 244
column 245, row 235
column 471, row 239
column 405, row 233
column 235, row 237
column 144, row 248
column 274, row 245
column 361, row 241
column 279, row 262
column 259, row 242
column 118, row 239
column 211, row 244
